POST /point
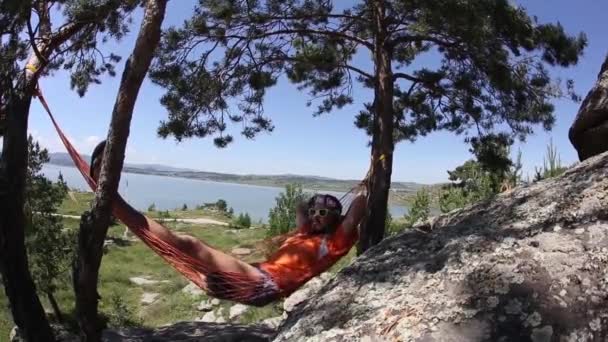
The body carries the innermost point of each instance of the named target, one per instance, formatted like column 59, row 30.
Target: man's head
column 96, row 158
column 324, row 213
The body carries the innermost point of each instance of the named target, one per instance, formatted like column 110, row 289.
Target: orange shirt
column 304, row 256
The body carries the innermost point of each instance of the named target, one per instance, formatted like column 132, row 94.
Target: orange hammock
column 240, row 285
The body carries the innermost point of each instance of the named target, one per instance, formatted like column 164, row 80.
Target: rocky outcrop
column 589, row 131
column 529, row 265
column 302, row 294
column 193, row 331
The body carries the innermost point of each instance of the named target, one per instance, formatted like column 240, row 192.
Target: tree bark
column 373, row 225
column 589, row 131
column 26, row 309
column 94, row 225
column 55, row 306
column 19, row 286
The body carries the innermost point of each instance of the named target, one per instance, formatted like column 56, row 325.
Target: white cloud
column 92, row 141
column 132, row 155
column 53, row 142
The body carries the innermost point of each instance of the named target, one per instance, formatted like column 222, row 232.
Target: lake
column 169, row 193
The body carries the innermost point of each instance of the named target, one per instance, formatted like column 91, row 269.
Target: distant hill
column 401, row 192
column 63, row 159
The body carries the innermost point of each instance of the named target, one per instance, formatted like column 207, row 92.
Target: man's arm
column 355, row 213
column 301, row 215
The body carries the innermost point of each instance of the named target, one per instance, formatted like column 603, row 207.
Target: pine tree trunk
column 589, row 131
column 373, row 225
column 94, row 225
column 26, row 308
column 55, row 306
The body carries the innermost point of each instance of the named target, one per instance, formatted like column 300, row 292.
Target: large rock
column 209, row 317
column 192, row 331
column 193, row 290
column 237, row 310
column 205, row 305
column 62, row 334
column 148, row 298
column 590, row 127
column 145, row 281
column 14, row 336
column 305, row 292
column 239, row 251
column 273, row 322
column 528, row 266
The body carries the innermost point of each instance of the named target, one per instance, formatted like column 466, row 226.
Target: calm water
column 170, row 193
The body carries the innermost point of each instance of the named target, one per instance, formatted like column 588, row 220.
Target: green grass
column 76, row 203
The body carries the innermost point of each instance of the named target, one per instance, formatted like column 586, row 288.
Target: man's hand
column 301, row 214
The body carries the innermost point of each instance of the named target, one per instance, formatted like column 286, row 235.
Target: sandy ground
column 185, row 220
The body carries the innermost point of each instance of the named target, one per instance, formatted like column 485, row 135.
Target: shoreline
column 340, row 191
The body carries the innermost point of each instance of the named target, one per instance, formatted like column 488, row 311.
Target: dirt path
column 185, row 220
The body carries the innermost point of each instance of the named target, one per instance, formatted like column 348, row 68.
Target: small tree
column 184, row 207
column 152, row 207
column 451, row 198
column 470, row 183
column 49, row 248
column 477, row 179
column 221, row 205
column 420, row 209
column 246, row 221
column 282, row 217
column 243, row 221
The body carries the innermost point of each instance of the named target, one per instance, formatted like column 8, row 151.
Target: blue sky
column 328, row 145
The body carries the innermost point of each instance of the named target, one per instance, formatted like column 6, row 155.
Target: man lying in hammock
column 322, row 237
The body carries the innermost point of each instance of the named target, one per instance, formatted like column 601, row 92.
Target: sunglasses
column 320, row 212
